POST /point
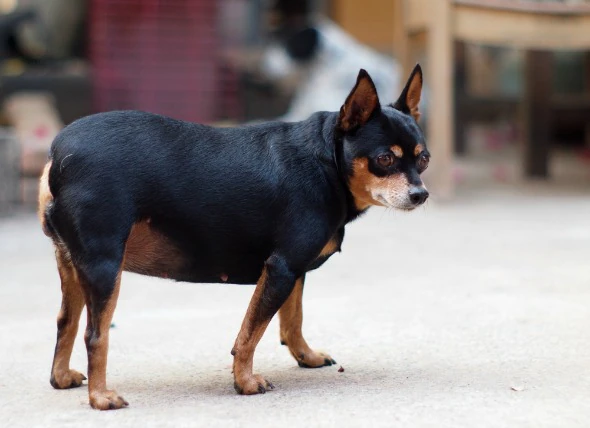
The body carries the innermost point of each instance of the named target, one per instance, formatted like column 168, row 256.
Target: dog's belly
column 151, row 252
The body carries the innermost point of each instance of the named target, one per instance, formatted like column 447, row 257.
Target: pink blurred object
column 41, row 132
column 458, row 175
column 36, row 122
column 162, row 57
column 500, row 173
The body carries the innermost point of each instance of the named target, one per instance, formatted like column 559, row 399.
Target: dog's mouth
column 403, row 206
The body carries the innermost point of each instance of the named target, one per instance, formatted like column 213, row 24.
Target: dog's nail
column 333, row 361
column 125, row 403
column 270, row 385
column 283, row 342
column 327, row 362
column 84, row 377
column 261, row 389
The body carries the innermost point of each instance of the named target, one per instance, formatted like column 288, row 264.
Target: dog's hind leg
column 291, row 320
column 96, row 242
column 68, row 319
column 101, row 281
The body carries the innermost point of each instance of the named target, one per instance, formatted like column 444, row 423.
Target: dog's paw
column 313, row 359
column 66, row 379
column 107, row 400
column 253, row 384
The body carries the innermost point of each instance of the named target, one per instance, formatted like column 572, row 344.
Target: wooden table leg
column 439, row 76
column 538, row 83
column 459, row 86
column 9, row 171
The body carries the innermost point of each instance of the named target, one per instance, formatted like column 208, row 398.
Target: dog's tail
column 45, row 201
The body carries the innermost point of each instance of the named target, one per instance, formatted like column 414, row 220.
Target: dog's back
column 210, row 193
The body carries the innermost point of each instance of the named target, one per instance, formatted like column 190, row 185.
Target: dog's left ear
column 410, row 98
column 360, row 105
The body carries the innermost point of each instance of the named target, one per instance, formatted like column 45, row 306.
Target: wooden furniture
column 9, row 171
column 431, row 27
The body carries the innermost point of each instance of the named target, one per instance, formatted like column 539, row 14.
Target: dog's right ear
column 360, row 105
column 410, row 98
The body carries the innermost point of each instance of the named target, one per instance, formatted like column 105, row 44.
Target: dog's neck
column 334, row 141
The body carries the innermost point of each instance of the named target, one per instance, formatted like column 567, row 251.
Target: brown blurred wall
column 369, row 21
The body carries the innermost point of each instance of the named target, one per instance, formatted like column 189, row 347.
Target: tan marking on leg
column 397, row 151
column 365, row 187
column 67, row 323
column 418, row 149
column 330, row 248
column 100, row 397
column 250, row 334
column 45, row 197
column 291, row 320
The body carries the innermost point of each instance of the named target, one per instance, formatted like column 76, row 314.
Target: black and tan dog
column 263, row 204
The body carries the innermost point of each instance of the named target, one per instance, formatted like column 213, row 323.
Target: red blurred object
column 41, row 132
column 159, row 56
column 584, row 154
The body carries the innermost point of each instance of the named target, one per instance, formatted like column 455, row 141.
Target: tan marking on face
column 45, row 197
column 397, row 151
column 419, row 149
column 368, row 189
column 149, row 252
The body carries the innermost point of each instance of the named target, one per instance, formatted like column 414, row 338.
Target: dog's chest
column 331, row 247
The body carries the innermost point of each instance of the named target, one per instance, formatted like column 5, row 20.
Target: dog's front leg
column 291, row 320
column 273, row 288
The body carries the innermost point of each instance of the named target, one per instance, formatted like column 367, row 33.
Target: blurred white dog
column 329, row 60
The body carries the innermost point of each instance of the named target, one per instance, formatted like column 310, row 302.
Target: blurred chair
column 537, row 27
column 9, row 170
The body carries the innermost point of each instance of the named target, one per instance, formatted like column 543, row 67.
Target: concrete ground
column 469, row 314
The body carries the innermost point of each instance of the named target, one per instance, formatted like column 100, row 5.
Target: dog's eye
column 423, row 161
column 385, row 160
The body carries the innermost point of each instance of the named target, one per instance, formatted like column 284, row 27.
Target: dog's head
column 383, row 147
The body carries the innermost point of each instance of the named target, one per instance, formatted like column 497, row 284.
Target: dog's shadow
column 186, row 389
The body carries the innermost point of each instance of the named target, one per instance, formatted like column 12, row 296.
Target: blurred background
column 507, row 95
column 470, row 311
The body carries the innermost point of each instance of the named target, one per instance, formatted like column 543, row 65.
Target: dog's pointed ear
column 360, row 105
column 410, row 98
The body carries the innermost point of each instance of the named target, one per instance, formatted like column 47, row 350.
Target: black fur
column 263, row 203
column 228, row 198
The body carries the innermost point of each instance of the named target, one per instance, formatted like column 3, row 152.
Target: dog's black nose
column 418, row 195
